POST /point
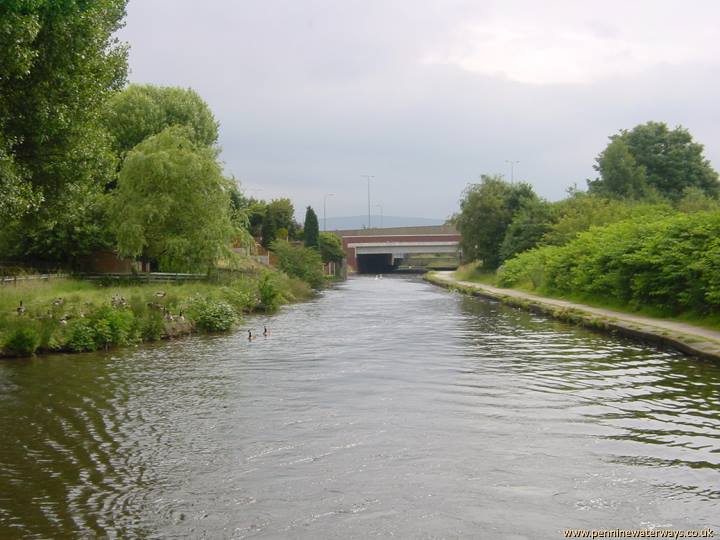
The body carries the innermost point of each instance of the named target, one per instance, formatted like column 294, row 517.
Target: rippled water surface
column 383, row 408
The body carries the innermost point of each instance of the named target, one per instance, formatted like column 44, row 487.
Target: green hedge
column 671, row 263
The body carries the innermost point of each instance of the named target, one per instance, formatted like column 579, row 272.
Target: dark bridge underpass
column 377, row 263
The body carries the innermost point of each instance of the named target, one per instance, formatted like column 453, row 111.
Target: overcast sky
column 427, row 95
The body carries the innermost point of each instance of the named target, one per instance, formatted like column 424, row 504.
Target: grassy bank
column 68, row 315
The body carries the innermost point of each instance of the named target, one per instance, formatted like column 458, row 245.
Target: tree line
column 88, row 163
column 642, row 235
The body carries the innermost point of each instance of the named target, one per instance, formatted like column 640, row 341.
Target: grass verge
column 68, row 315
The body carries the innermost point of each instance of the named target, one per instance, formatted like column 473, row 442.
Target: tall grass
column 74, row 315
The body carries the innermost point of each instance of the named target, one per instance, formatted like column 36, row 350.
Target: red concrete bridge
column 383, row 250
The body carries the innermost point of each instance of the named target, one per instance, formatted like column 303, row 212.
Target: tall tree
column 172, row 203
column 59, row 62
column 330, row 247
column 486, row 211
column 528, row 227
column 670, row 159
column 269, row 229
column 620, row 174
column 140, row 111
column 311, row 227
column 283, row 214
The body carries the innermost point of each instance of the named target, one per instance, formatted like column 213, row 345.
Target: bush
column 579, row 212
column 269, row 293
column 486, row 211
column 82, row 336
column 22, row 341
column 666, row 262
column 300, row 262
column 102, row 333
column 242, row 295
column 212, row 316
column 49, row 334
column 331, row 249
column 152, row 327
column 113, row 327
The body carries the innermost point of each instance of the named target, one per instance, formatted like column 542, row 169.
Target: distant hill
column 358, row 222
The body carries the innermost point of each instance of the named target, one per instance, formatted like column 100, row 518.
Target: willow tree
column 172, row 203
column 141, row 111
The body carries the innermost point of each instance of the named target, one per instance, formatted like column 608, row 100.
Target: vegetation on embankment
column 644, row 238
column 67, row 315
column 668, row 264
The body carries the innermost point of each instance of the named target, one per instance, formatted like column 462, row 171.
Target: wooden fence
column 149, row 277
column 13, row 280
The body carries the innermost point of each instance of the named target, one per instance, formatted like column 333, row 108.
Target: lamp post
column 512, row 169
column 368, row 177
column 325, row 209
column 380, row 206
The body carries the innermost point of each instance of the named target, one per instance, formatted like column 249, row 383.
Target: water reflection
column 386, row 407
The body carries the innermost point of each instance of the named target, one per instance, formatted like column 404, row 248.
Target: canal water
column 384, row 408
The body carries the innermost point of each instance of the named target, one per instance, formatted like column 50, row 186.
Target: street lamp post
column 380, row 206
column 368, row 177
column 512, row 169
column 325, row 209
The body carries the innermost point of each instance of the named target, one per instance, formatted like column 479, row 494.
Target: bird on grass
column 20, row 309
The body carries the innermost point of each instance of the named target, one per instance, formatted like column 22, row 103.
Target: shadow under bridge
column 385, row 257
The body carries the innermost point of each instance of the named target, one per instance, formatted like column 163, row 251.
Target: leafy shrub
column 22, row 341
column 113, row 327
column 665, row 262
column 579, row 212
column 241, row 295
column 137, row 306
column 49, row 334
column 212, row 316
column 102, row 333
column 486, row 211
column 269, row 293
column 527, row 228
column 82, row 335
column 300, row 262
column 152, row 327
column 330, row 246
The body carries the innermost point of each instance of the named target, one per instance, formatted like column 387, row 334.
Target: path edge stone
column 688, row 344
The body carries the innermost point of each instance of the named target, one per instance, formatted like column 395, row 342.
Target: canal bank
column 689, row 339
column 71, row 316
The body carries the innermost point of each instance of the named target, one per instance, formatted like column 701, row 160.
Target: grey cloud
column 311, row 95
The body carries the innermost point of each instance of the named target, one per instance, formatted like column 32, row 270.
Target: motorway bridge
column 380, row 251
